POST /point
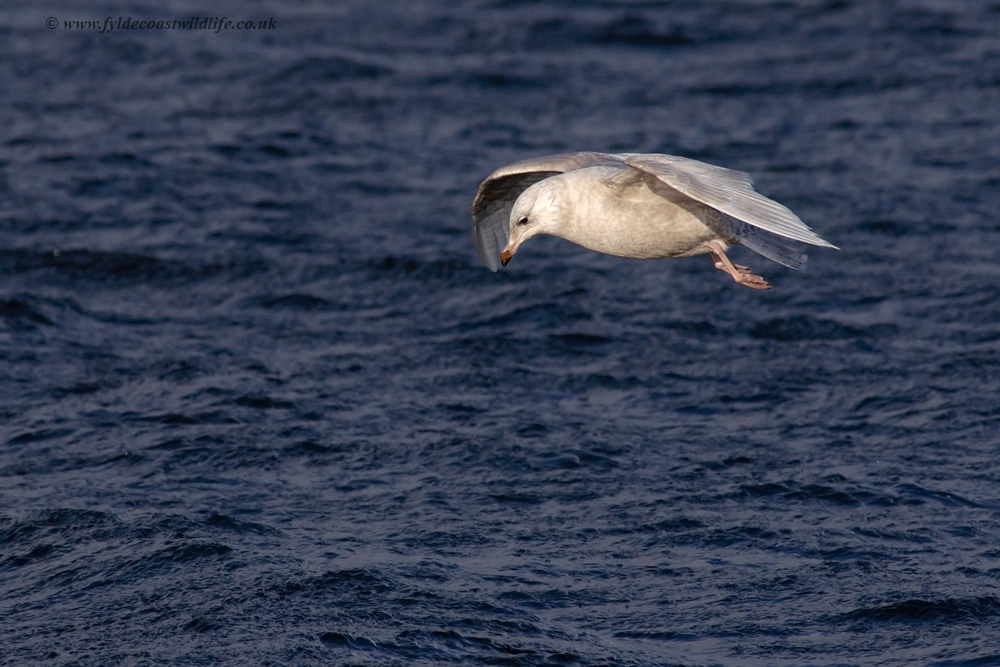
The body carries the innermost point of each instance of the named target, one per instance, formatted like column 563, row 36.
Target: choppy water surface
column 262, row 405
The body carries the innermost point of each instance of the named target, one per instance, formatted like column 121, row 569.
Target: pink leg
column 740, row 274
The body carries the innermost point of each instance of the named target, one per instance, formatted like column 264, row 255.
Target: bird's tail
column 776, row 248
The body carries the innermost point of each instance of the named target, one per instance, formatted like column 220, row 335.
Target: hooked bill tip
column 505, row 258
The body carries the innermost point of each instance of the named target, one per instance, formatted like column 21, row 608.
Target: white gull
column 640, row 205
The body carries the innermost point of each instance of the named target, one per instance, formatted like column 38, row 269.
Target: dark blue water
column 261, row 404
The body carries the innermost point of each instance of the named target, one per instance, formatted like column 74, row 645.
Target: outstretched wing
column 497, row 194
column 728, row 191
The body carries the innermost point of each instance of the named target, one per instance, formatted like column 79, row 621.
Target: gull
column 639, row 205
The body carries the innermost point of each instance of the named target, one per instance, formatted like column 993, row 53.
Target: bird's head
column 539, row 210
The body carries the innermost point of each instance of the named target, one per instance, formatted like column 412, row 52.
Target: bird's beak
column 505, row 257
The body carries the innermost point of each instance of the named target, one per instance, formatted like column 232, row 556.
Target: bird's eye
column 523, row 220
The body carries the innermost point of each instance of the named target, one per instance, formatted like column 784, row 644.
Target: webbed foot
column 740, row 274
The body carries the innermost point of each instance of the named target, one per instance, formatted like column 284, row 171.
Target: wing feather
column 728, row 191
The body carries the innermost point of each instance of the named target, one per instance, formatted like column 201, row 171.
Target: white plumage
column 645, row 206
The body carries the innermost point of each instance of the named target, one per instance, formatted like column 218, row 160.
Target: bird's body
column 644, row 206
column 637, row 222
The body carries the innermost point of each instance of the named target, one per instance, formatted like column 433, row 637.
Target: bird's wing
column 728, row 191
column 497, row 194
